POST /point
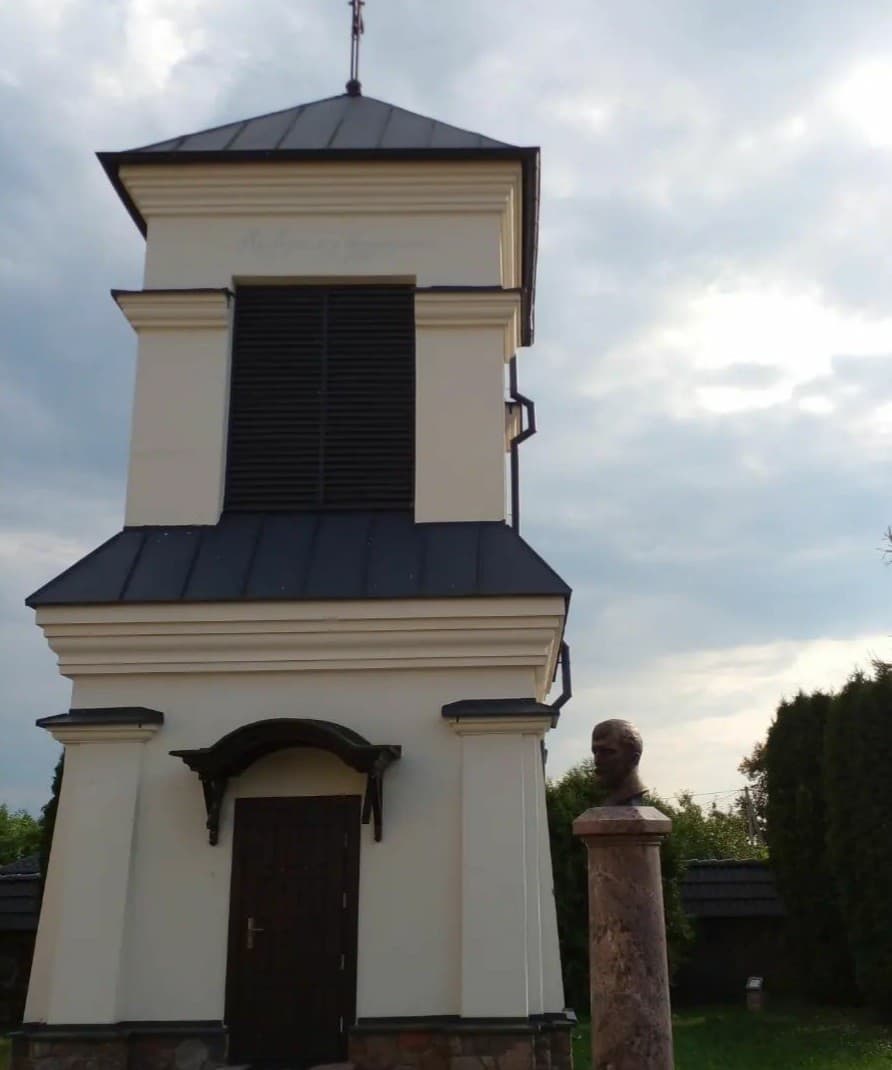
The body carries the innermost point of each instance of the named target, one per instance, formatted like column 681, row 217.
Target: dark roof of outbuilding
column 342, row 128
column 20, row 895
column 727, row 888
column 29, row 866
column 305, row 556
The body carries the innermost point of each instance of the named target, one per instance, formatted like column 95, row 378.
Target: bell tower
column 310, row 217
column 303, row 812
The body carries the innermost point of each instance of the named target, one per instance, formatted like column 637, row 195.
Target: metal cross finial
column 354, row 86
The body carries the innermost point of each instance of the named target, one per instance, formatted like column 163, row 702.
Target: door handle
column 249, row 934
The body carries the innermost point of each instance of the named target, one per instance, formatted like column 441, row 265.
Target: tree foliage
column 695, row 834
column 22, row 835
column 796, row 832
column 858, row 756
column 19, row 834
column 711, row 832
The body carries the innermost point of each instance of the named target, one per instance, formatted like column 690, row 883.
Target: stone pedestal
column 631, row 1022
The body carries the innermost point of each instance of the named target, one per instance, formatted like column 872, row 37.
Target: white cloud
column 27, row 553
column 743, row 322
column 588, row 113
column 701, row 712
column 817, row 404
column 861, row 99
column 158, row 35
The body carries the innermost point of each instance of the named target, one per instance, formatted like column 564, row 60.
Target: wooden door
column 291, row 973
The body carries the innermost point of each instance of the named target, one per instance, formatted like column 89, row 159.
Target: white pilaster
column 501, row 953
column 462, row 341
column 552, row 980
column 80, row 940
column 180, row 407
column 533, row 786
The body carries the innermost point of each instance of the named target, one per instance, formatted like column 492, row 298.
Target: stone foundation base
column 127, row 1046
column 462, row 1044
column 429, row 1044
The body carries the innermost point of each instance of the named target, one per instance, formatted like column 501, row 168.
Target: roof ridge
column 727, row 861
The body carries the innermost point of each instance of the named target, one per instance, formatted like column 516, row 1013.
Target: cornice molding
column 274, row 187
column 463, row 309
column 175, row 309
column 198, row 638
column 351, row 188
column 66, row 734
column 498, row 726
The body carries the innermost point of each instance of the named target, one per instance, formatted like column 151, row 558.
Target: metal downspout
column 529, row 408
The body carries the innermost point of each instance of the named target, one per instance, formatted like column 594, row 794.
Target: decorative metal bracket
column 214, row 789
column 235, row 752
column 373, row 803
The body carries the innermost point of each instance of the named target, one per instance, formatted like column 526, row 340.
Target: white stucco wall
column 410, row 908
column 435, row 250
column 444, row 223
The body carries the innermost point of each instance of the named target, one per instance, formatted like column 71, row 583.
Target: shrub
column 566, row 799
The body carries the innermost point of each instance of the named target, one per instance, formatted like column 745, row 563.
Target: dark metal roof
column 104, row 715
column 340, row 122
column 343, row 128
column 471, row 708
column 726, row 888
column 20, row 895
column 304, row 556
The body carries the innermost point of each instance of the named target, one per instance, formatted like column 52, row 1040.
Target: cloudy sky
column 713, row 365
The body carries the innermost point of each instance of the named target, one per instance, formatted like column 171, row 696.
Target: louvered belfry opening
column 322, row 398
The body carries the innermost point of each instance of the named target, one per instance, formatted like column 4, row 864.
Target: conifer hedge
column 48, row 816
column 858, row 760
column 797, row 841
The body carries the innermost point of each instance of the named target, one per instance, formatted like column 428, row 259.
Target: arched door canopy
column 233, row 753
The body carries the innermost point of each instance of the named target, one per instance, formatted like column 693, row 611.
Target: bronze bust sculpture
column 616, row 748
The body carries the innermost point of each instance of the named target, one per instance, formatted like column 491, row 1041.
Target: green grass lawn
column 780, row 1039
column 4, row 1053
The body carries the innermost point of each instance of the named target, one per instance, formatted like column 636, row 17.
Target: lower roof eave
column 517, row 633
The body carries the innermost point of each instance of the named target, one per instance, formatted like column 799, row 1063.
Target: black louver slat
column 370, row 385
column 322, row 406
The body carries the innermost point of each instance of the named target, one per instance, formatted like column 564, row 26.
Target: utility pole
column 751, row 825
